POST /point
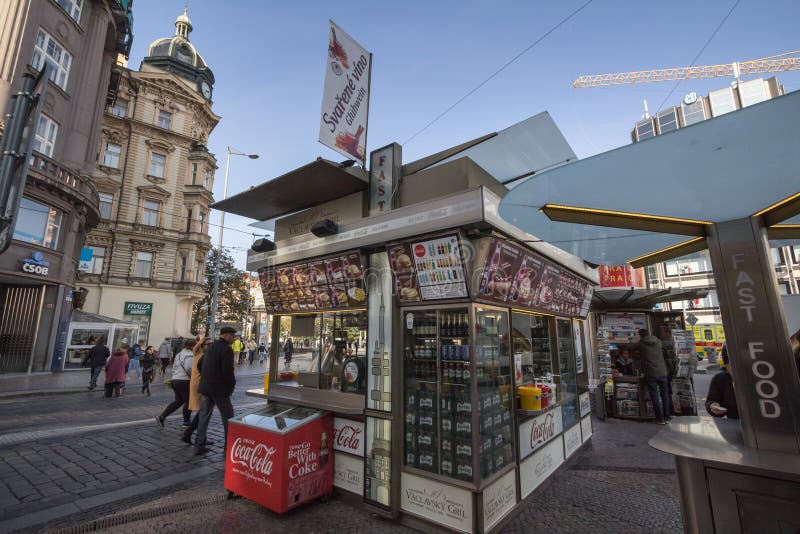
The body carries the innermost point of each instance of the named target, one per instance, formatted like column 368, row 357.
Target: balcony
column 48, row 173
column 196, row 232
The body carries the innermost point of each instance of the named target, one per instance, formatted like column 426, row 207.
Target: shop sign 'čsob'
column 345, row 101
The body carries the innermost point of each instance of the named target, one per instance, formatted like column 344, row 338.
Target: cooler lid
column 279, row 418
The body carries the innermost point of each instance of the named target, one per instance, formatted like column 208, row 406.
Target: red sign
column 621, row 276
column 280, row 471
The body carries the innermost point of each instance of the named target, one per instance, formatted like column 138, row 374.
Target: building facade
column 81, row 40
column 154, row 179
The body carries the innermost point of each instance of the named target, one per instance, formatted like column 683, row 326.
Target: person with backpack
column 262, row 354
column 134, row 353
column 288, row 350
column 165, row 355
column 181, row 375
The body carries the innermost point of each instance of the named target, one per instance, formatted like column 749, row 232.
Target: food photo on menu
column 499, row 274
column 404, row 274
column 523, row 289
column 546, row 294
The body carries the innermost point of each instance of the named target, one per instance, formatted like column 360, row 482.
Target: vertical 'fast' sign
column 345, row 101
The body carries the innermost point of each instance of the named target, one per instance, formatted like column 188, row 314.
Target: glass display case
column 457, row 391
column 568, row 372
column 532, row 346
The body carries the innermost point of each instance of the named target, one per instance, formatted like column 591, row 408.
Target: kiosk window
column 325, row 351
column 568, row 384
column 532, row 346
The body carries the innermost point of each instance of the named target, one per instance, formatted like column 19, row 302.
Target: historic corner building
column 81, row 41
column 154, row 178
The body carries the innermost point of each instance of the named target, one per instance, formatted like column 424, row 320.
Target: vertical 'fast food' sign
column 345, row 101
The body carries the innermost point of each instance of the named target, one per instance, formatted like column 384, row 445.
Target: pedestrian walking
column 98, row 355
column 134, row 355
column 195, row 398
column 116, row 369
column 217, row 382
column 148, row 362
column 251, row 351
column 181, row 375
column 238, row 349
column 288, row 349
column 262, row 354
column 655, row 372
column 164, row 355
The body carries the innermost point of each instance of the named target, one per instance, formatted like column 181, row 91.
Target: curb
column 52, row 392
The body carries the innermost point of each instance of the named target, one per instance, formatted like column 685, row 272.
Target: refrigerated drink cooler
column 280, row 456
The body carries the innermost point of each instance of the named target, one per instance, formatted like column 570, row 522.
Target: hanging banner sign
column 345, row 100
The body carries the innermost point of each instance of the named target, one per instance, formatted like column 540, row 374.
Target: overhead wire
column 696, row 57
column 501, row 69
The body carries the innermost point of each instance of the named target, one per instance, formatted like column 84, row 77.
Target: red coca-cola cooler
column 280, row 456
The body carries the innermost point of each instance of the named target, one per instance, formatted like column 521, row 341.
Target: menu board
column 515, row 277
column 429, row 269
column 332, row 283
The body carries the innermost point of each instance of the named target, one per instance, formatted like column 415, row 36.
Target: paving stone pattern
column 74, row 476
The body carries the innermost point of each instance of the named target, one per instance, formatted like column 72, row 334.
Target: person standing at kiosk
column 655, row 372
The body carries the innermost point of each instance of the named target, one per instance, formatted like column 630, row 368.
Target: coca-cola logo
column 543, row 430
column 348, row 436
column 419, row 250
column 255, row 456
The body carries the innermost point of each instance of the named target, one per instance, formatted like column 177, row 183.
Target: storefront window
column 124, row 336
column 81, row 340
column 532, row 346
column 568, row 382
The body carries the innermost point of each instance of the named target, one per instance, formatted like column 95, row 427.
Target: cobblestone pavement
column 84, row 463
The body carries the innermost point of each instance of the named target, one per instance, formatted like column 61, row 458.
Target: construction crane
column 778, row 63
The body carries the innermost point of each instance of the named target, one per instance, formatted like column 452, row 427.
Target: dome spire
column 183, row 26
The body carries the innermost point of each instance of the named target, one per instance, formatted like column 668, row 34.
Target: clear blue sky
column 269, row 57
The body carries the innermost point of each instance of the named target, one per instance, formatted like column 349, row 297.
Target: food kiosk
column 457, row 309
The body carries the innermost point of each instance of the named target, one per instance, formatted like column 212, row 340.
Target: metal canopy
column 526, row 148
column 721, row 169
column 310, row 185
column 622, row 298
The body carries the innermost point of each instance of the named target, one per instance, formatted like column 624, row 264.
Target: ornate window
column 157, row 164
column 45, row 138
column 194, row 173
column 120, row 108
column 206, row 177
column 111, row 155
column 72, row 7
column 150, row 211
column 164, row 119
column 47, row 50
column 106, row 202
column 144, row 265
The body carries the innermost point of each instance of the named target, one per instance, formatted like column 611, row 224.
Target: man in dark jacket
column 97, row 359
column 217, row 383
column 721, row 401
column 655, row 373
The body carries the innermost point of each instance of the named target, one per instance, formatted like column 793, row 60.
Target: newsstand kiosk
column 414, row 316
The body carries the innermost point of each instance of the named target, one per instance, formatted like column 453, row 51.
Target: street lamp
column 215, row 294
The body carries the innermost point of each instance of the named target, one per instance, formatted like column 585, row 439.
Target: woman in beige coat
column 200, row 349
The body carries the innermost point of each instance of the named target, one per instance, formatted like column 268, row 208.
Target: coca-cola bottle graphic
column 323, row 450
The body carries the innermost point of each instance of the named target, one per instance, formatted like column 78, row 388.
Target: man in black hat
column 217, row 383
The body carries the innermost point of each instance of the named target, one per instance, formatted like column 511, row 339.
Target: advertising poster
column 345, row 98
column 348, row 473
column 500, row 272
column 330, row 283
column 405, row 278
column 499, row 499
column 537, row 431
column 440, row 272
column 572, row 440
column 518, row 278
column 537, row 468
column 437, row 502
